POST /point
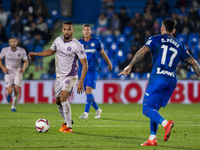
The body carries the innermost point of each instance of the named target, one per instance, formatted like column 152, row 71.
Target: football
column 42, row 125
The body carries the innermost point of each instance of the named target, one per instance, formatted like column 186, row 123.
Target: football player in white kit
column 12, row 69
column 67, row 52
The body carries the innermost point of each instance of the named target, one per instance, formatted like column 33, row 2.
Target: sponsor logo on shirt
column 159, row 71
column 92, row 44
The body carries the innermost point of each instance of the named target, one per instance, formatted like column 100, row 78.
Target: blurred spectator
column 27, row 26
column 40, row 8
column 181, row 3
column 196, row 4
column 3, row 37
column 162, row 8
column 193, row 17
column 17, row 27
column 127, row 61
column 33, row 30
column 114, row 25
column 156, row 27
column 31, row 76
column 174, row 16
column 151, row 5
column 28, row 8
column 182, row 13
column 102, row 24
column 16, row 8
column 42, row 27
column 124, row 18
column 110, row 13
column 3, row 16
column 137, row 40
column 106, row 4
column 186, row 26
column 136, row 19
column 147, row 35
column 38, row 44
column 52, row 68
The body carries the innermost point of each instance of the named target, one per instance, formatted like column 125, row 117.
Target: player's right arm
column 4, row 69
column 47, row 52
column 193, row 63
column 138, row 57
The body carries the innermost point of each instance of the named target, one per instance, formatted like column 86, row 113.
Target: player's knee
column 9, row 91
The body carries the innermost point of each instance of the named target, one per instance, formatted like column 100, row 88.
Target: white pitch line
column 2, row 126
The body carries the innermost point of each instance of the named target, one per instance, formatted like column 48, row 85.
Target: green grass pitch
column 122, row 126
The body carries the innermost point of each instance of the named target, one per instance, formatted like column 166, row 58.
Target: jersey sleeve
column 80, row 51
column 24, row 56
column 185, row 54
column 2, row 54
column 99, row 46
column 150, row 43
column 53, row 46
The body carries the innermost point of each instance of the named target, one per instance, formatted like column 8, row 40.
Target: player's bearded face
column 13, row 43
column 67, row 31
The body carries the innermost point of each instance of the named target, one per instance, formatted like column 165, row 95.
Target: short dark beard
column 67, row 38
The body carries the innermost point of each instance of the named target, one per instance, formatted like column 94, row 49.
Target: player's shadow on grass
column 111, row 119
column 110, row 136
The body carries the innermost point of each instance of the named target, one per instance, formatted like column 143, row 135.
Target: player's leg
column 60, row 109
column 92, row 85
column 15, row 98
column 64, row 95
column 9, row 81
column 69, row 84
column 9, row 91
column 89, row 100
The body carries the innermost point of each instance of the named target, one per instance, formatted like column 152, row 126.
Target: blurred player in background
column 92, row 46
column 167, row 52
column 67, row 52
column 13, row 72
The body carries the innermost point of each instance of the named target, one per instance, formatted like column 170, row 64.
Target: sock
column 94, row 104
column 67, row 113
column 155, row 116
column 151, row 137
column 60, row 109
column 89, row 100
column 8, row 98
column 14, row 102
column 152, row 113
column 153, row 127
column 164, row 123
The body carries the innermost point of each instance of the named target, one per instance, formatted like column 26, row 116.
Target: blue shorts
column 158, row 93
column 90, row 79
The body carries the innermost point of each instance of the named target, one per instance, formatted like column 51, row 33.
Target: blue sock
column 94, row 104
column 89, row 100
column 152, row 113
column 8, row 98
column 153, row 127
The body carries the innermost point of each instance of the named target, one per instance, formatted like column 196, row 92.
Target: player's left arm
column 193, row 63
column 25, row 65
column 83, row 74
column 137, row 57
column 105, row 57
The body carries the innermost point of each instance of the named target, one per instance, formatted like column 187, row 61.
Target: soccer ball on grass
column 42, row 125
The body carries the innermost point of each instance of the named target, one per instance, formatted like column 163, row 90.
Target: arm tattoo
column 139, row 55
column 194, row 65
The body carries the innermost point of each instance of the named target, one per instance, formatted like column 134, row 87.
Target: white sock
column 151, row 137
column 86, row 113
column 67, row 113
column 14, row 102
column 164, row 123
column 60, row 109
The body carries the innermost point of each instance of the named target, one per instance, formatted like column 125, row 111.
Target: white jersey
column 66, row 57
column 13, row 59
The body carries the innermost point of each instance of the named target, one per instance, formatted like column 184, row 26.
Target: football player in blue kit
column 167, row 52
column 91, row 46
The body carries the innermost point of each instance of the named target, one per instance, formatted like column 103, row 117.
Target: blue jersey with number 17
column 167, row 51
